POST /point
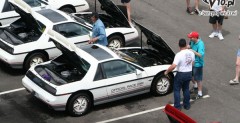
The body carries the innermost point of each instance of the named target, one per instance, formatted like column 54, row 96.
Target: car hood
column 68, row 49
column 156, row 41
column 26, row 13
column 118, row 12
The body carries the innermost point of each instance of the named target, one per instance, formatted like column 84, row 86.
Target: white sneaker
column 231, row 82
column 213, row 34
column 220, row 36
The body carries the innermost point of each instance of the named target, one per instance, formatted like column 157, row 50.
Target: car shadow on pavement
column 7, row 69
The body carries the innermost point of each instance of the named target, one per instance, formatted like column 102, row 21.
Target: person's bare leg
column 188, row 3
column 215, row 27
column 237, row 69
column 219, row 28
column 128, row 11
column 196, row 4
column 199, row 83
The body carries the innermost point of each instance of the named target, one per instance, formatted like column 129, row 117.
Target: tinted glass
column 33, row 3
column 117, row 68
column 71, row 30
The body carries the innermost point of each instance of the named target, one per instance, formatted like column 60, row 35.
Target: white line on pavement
column 11, row 91
column 140, row 113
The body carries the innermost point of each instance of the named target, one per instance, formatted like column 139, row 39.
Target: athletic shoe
column 198, row 97
column 189, row 11
column 193, row 90
column 232, row 82
column 220, row 36
column 213, row 34
column 196, row 11
column 186, row 108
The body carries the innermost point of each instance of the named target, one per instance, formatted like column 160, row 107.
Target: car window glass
column 71, row 29
column 99, row 74
column 7, row 7
column 117, row 68
column 33, row 3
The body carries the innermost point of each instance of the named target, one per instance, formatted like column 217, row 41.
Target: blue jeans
column 181, row 81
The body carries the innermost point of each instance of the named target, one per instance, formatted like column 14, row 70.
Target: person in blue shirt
column 98, row 31
column 198, row 48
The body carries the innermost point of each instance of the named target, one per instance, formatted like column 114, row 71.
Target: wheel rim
column 80, row 105
column 163, row 85
column 115, row 43
column 35, row 61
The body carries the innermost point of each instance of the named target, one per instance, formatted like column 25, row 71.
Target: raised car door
column 124, row 79
column 7, row 13
column 75, row 32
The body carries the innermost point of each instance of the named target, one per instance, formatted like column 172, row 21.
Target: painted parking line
column 140, row 113
column 11, row 91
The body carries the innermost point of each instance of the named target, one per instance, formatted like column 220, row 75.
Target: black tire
column 67, row 10
column 162, row 85
column 31, row 58
column 116, row 41
column 87, row 103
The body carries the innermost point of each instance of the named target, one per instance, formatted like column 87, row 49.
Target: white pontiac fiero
column 8, row 15
column 88, row 75
column 24, row 42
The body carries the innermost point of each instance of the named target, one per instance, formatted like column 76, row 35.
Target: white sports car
column 88, row 75
column 24, row 42
column 8, row 15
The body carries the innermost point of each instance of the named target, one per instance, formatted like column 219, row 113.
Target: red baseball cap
column 193, row 35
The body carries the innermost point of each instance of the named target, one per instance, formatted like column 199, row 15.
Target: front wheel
column 79, row 104
column 115, row 42
column 162, row 85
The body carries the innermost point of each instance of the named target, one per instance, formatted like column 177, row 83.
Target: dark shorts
column 197, row 73
column 125, row 1
column 215, row 19
column 238, row 53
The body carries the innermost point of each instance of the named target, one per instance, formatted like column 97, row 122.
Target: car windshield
column 33, row 3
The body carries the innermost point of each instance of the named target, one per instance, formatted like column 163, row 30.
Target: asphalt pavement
column 168, row 19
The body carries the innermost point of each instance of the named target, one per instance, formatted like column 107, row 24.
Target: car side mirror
column 0, row 24
column 138, row 72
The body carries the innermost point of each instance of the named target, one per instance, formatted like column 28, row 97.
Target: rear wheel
column 162, row 85
column 67, row 10
column 34, row 59
column 115, row 41
column 79, row 104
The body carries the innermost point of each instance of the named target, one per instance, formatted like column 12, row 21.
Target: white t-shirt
column 216, row 7
column 184, row 60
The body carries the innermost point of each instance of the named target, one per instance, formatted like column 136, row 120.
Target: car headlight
column 41, row 83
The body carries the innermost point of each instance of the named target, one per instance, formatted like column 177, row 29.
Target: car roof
column 52, row 15
column 47, row 16
column 93, row 53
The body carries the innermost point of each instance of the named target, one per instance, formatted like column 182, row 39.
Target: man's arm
column 170, row 69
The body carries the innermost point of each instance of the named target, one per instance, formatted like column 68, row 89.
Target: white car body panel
column 11, row 16
column 79, row 5
column 21, row 51
column 103, row 90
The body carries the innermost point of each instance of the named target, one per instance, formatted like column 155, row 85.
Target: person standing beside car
column 183, row 61
column 198, row 48
column 98, row 31
column 236, row 79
